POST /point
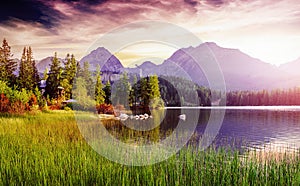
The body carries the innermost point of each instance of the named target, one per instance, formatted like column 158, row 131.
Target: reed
column 48, row 149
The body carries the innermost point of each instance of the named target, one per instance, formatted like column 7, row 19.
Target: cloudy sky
column 265, row 29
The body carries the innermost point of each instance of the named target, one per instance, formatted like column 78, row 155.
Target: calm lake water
column 272, row 128
column 267, row 127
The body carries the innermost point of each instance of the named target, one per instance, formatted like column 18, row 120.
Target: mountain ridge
column 240, row 70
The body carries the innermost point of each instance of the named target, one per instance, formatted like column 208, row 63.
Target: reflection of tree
column 263, row 98
column 158, row 117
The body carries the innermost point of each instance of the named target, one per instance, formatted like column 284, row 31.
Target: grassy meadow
column 47, row 149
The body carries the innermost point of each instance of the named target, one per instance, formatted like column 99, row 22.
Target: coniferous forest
column 21, row 88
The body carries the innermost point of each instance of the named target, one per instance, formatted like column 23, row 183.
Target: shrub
column 105, row 109
column 18, row 108
column 4, row 103
column 32, row 100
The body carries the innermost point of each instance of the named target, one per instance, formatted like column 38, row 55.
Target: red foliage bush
column 18, row 108
column 54, row 107
column 55, row 104
column 32, row 100
column 105, row 109
column 4, row 103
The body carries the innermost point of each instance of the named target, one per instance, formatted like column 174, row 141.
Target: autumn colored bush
column 18, row 108
column 4, row 103
column 16, row 101
column 32, row 100
column 105, row 109
column 55, row 104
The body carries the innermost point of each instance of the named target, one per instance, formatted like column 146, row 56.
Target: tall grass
column 47, row 149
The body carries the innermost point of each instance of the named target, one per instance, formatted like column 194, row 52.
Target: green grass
column 47, row 149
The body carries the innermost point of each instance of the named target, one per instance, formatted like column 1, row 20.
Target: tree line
column 20, row 88
column 264, row 98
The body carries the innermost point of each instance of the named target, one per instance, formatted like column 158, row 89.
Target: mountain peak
column 147, row 64
column 211, row 44
column 101, row 56
column 99, row 50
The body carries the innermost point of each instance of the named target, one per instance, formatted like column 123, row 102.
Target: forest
column 21, row 89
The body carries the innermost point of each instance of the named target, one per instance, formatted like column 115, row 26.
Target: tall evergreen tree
column 107, row 91
column 23, row 71
column 99, row 92
column 54, row 78
column 46, row 71
column 28, row 74
column 87, row 76
column 144, row 91
column 69, row 73
column 34, row 72
column 122, row 90
column 154, row 93
column 7, row 65
column 80, row 93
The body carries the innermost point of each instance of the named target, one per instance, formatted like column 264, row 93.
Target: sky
column 264, row 29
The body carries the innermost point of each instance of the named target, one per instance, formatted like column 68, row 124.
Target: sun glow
column 138, row 53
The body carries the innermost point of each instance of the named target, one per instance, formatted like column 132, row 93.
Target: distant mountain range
column 241, row 71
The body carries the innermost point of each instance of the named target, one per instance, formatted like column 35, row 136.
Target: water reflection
column 259, row 129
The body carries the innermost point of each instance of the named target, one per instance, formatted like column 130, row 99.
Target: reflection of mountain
column 254, row 128
column 241, row 72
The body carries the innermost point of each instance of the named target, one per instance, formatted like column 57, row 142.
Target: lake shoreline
column 282, row 107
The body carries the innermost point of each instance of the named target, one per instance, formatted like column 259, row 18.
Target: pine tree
column 34, row 72
column 7, row 65
column 23, row 70
column 54, row 78
column 80, row 93
column 28, row 74
column 107, row 91
column 144, row 91
column 99, row 92
column 46, row 71
column 87, row 76
column 122, row 90
column 69, row 74
column 154, row 93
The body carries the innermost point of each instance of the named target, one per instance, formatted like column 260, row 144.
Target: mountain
column 291, row 67
column 104, row 58
column 240, row 71
column 44, row 63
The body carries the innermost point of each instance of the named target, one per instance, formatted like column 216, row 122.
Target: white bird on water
column 182, row 117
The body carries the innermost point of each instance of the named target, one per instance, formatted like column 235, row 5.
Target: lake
column 274, row 128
